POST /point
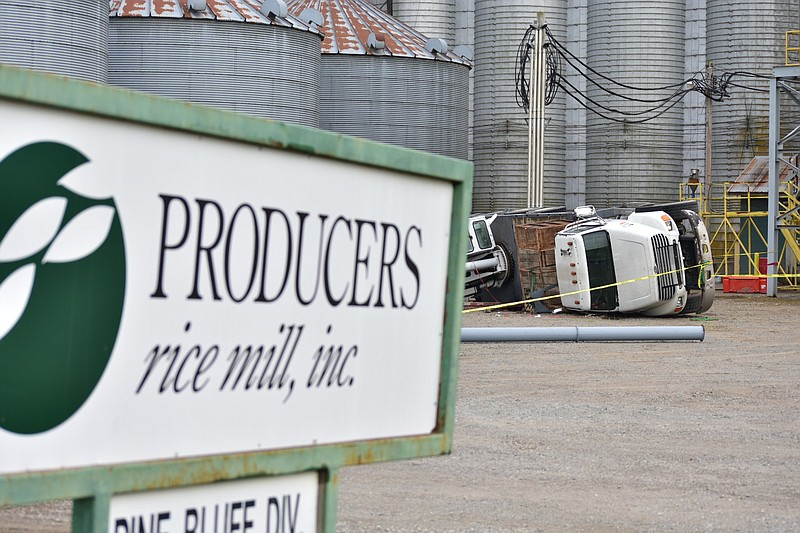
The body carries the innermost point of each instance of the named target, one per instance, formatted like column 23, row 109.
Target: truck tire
column 511, row 264
column 693, row 304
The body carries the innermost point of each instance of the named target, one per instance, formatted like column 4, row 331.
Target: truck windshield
column 601, row 270
column 482, row 234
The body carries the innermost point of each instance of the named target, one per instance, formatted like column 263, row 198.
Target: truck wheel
column 511, row 264
column 693, row 304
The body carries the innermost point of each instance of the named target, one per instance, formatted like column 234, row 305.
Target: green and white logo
column 62, row 284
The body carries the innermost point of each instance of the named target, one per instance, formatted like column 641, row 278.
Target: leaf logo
column 14, row 293
column 62, row 278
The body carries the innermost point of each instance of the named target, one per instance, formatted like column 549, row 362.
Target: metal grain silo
column 241, row 55
column 465, row 36
column 434, row 18
column 438, row 18
column 575, row 124
column 694, row 103
column 66, row 38
column 640, row 44
column 745, row 36
column 500, row 145
column 384, row 81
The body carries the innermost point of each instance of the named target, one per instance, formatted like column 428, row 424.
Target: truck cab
column 648, row 263
column 487, row 261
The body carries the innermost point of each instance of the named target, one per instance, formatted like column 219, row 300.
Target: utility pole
column 536, row 118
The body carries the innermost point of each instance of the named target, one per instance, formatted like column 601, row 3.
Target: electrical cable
column 552, row 69
column 748, row 88
column 713, row 87
column 679, row 95
column 521, row 83
column 613, row 119
column 626, row 97
column 593, row 71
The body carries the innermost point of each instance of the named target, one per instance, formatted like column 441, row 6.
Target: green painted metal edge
column 91, row 514
column 454, row 304
column 18, row 489
column 92, row 487
column 326, row 510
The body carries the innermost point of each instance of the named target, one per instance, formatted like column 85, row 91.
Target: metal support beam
column 776, row 84
column 708, row 179
column 792, row 134
column 793, row 93
column 774, row 190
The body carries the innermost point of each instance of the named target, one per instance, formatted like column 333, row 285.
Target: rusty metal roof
column 347, row 25
column 755, row 177
column 226, row 10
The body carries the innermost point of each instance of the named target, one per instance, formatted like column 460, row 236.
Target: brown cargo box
column 538, row 235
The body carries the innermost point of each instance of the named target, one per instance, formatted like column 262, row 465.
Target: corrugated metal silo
column 500, row 145
column 640, row 44
column 465, row 36
column 66, row 38
column 694, row 103
column 379, row 81
column 229, row 55
column 575, row 127
column 745, row 36
column 433, row 18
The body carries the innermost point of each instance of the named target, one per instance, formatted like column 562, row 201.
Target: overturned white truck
column 655, row 261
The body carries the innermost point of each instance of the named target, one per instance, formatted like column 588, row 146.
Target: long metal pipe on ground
column 584, row 334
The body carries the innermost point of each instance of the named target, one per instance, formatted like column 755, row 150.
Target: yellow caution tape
column 644, row 278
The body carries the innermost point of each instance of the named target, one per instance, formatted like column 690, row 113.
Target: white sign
column 267, row 299
column 286, row 504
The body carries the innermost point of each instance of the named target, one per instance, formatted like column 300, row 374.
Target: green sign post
column 192, row 298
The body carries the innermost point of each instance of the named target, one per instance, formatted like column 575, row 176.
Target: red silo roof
column 224, row 10
column 347, row 25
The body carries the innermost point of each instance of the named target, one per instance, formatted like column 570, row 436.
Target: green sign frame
column 91, row 488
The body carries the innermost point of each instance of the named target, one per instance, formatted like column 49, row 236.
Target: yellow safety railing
column 793, row 48
column 737, row 223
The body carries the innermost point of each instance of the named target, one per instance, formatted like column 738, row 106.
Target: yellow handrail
column 793, row 48
column 736, row 224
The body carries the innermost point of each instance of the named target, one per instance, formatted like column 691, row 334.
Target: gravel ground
column 681, row 436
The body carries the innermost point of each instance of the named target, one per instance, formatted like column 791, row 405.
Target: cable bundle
column 711, row 86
